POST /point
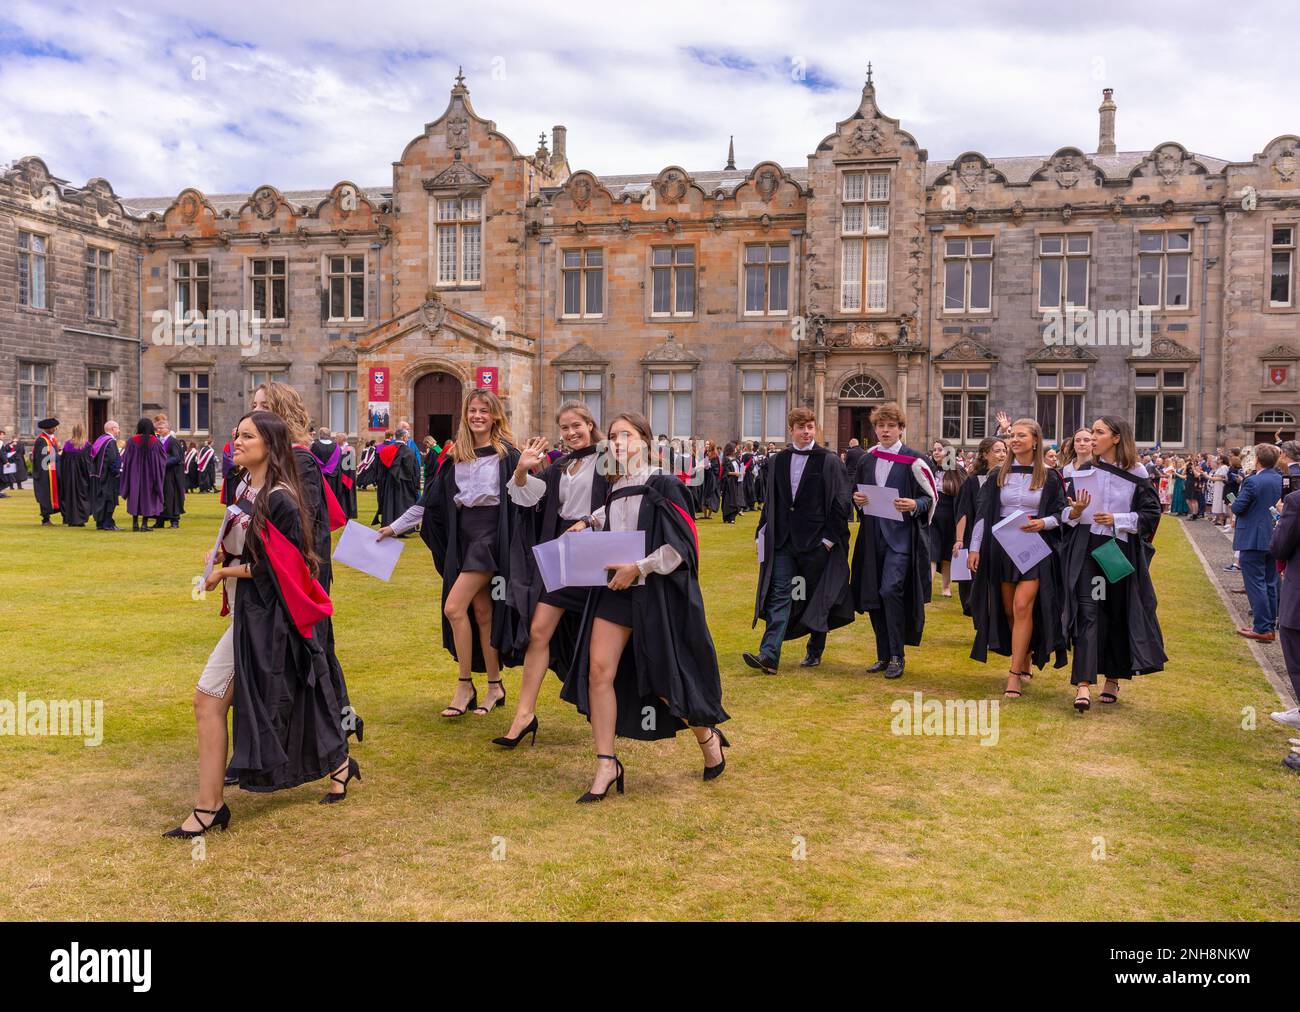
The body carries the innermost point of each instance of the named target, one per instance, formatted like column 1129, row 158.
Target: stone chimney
column 1106, row 138
column 559, row 153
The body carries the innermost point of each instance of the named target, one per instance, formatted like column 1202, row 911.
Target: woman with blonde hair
column 465, row 519
column 1018, row 612
column 566, row 493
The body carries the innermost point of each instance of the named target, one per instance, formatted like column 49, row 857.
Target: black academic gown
column 731, row 490
column 670, row 654
column 105, row 467
column 967, row 498
column 440, row 531
column 398, row 476
column 535, row 525
column 1144, row 650
column 286, row 718
column 74, row 485
column 711, row 491
column 192, row 471
column 992, row 630
column 865, row 580
column 348, row 482
column 16, row 454
column 822, row 507
column 45, row 458
column 173, row 481
column 208, row 472
column 748, row 482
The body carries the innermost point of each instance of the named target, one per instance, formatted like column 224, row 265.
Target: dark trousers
column 1259, row 574
column 1291, row 654
column 891, row 577
column 104, row 515
column 1101, row 624
column 780, row 601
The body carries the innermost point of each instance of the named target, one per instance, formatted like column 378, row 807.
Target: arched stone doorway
column 436, row 411
column 857, row 396
column 1274, row 425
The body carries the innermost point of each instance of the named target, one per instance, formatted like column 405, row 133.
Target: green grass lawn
column 823, row 811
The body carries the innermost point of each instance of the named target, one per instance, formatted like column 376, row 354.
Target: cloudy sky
column 155, row 96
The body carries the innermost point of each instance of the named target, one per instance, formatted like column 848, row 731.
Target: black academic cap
column 48, row 423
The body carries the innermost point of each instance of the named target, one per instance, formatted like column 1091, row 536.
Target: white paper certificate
column 231, row 511
column 1090, row 482
column 360, row 548
column 587, row 554
column 550, row 563
column 880, row 502
column 1026, row 548
column 959, row 570
column 759, row 542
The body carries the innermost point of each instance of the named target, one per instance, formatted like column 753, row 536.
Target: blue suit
column 1253, row 505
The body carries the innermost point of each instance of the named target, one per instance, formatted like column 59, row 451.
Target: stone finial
column 1106, row 135
column 731, row 153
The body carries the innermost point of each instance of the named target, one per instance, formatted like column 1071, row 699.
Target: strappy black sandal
column 457, row 711
column 1012, row 693
column 220, row 819
column 713, row 772
column 483, row 711
column 617, row 782
column 1109, row 697
column 353, row 770
column 1082, row 703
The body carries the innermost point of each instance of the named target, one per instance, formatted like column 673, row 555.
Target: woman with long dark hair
column 144, row 466
column 1111, row 618
column 466, row 520
column 992, row 452
column 268, row 665
column 563, row 496
column 731, row 489
column 74, row 479
column 1018, row 614
column 711, row 488
column 645, row 666
column 943, row 525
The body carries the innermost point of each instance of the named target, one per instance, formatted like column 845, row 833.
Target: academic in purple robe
column 144, row 462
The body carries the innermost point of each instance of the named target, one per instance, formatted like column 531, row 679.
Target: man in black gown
column 803, row 534
column 174, row 478
column 105, row 467
column 399, row 478
column 45, row 462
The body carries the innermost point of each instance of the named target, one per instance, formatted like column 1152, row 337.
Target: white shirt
column 624, row 514
column 1016, row 494
column 478, row 481
column 1114, row 495
column 883, row 466
column 797, row 463
column 574, row 490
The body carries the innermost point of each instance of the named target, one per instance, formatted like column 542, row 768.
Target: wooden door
column 437, row 407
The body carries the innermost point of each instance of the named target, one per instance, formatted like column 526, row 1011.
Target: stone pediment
column 342, row 354
column 1166, row 349
column 971, row 171
column 457, row 176
column 1069, row 168
column 266, row 357
column 1167, row 162
column 670, row 353
column 1280, row 352
column 191, row 356
column 869, row 133
column 764, row 351
column 966, row 350
column 1063, row 354
column 580, row 354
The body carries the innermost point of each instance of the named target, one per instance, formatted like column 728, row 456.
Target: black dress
column 731, row 491
column 943, row 526
column 74, row 484
column 670, row 655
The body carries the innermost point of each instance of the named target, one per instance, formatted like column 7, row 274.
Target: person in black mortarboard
column 45, row 462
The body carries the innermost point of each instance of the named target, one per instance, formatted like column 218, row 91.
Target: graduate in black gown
column 326, row 515
column 45, row 469
column 646, row 667
column 569, row 490
column 1019, row 614
column 803, row 535
column 748, row 481
column 269, row 665
column 207, row 464
column 74, row 479
column 105, row 469
column 191, row 467
column 329, row 452
column 731, row 485
column 711, row 486
column 1114, row 633
column 397, row 474
column 991, row 453
column 347, row 476
column 174, row 476
column 949, row 476
column 13, row 462
column 466, row 519
column 891, row 558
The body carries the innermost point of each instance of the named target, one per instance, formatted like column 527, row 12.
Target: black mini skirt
column 476, row 533
column 618, row 606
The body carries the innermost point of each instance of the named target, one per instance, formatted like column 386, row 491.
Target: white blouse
column 574, row 491
column 1014, row 495
column 1114, row 495
column 623, row 516
column 478, row 481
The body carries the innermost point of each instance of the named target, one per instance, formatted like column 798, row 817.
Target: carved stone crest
column 865, row 335
column 1286, row 165
column 767, row 183
column 971, row 174
column 865, row 136
column 433, row 312
column 189, row 207
column 1018, row 212
column 1169, row 163
column 1067, row 172
column 458, row 132
column 264, row 202
column 672, row 186
column 581, row 191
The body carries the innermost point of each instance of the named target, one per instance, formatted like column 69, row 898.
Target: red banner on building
column 378, row 385
column 485, row 377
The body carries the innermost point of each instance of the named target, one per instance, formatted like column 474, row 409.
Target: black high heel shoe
column 589, row 797
column 713, row 772
column 354, row 770
column 485, row 710
column 221, row 818
column 507, row 742
column 1082, row 703
column 457, row 711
